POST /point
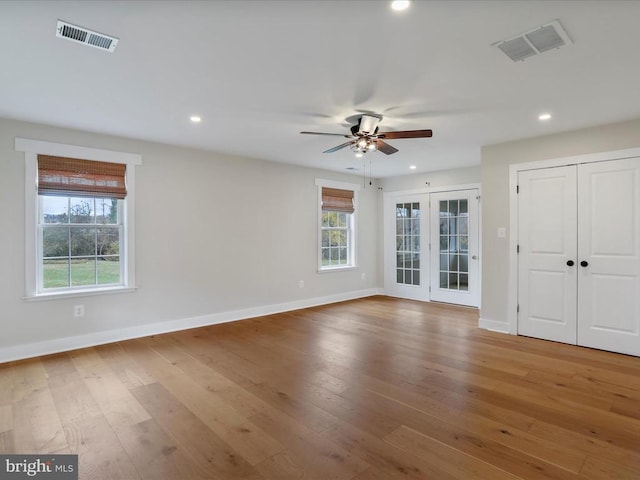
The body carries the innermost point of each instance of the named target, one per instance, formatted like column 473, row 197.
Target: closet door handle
column 584, row 263
column 570, row 263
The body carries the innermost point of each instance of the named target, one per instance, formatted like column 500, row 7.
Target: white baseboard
column 493, row 325
column 29, row 350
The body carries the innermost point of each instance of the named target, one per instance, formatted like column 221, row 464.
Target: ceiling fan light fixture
column 365, row 137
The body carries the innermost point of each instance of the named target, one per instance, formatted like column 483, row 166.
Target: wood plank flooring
column 377, row 388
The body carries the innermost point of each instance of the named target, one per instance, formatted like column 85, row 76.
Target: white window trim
column 31, row 149
column 354, row 234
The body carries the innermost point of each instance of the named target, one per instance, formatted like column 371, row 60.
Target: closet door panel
column 547, row 242
column 609, row 255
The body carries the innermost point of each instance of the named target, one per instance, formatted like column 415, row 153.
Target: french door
column 579, row 254
column 431, row 246
column 406, row 260
column 454, row 247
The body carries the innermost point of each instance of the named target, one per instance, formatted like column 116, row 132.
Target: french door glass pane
column 444, row 226
column 408, row 243
column 463, row 226
column 454, row 244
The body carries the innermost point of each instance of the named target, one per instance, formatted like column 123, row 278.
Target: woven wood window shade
column 82, row 178
column 337, row 200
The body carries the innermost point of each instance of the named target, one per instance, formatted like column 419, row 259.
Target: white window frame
column 33, row 251
column 353, row 228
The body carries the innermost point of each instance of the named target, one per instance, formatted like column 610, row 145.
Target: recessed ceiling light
column 544, row 116
column 195, row 118
column 413, row 167
column 358, row 154
column 399, row 5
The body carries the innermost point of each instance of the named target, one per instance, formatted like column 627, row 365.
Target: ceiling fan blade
column 339, row 147
column 332, row 134
column 405, row 134
column 385, row 147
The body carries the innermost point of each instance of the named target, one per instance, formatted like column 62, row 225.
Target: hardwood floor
column 372, row 389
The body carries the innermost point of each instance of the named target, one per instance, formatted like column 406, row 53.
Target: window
column 336, row 238
column 79, row 241
column 79, row 234
column 337, row 225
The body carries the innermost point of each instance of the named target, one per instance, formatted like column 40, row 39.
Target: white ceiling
column 259, row 72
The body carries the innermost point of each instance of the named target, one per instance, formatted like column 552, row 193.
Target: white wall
column 440, row 178
column 232, row 238
column 495, row 197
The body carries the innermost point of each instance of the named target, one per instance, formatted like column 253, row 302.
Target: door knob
column 570, row 263
column 584, row 263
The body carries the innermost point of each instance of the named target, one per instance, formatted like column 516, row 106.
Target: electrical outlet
column 363, row 276
column 301, row 284
column 502, row 232
column 78, row 310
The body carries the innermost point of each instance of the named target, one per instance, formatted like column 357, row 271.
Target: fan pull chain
column 364, row 173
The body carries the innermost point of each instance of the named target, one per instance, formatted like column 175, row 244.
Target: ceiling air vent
column 86, row 36
column 539, row 40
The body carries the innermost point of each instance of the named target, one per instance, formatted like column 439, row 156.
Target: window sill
column 77, row 293
column 345, row 268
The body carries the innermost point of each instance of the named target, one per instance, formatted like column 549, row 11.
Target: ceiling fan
column 365, row 136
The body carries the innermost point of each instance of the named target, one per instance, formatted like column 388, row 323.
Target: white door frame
column 512, row 294
column 389, row 236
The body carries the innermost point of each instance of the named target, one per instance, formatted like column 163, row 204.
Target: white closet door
column 608, row 255
column 547, row 265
